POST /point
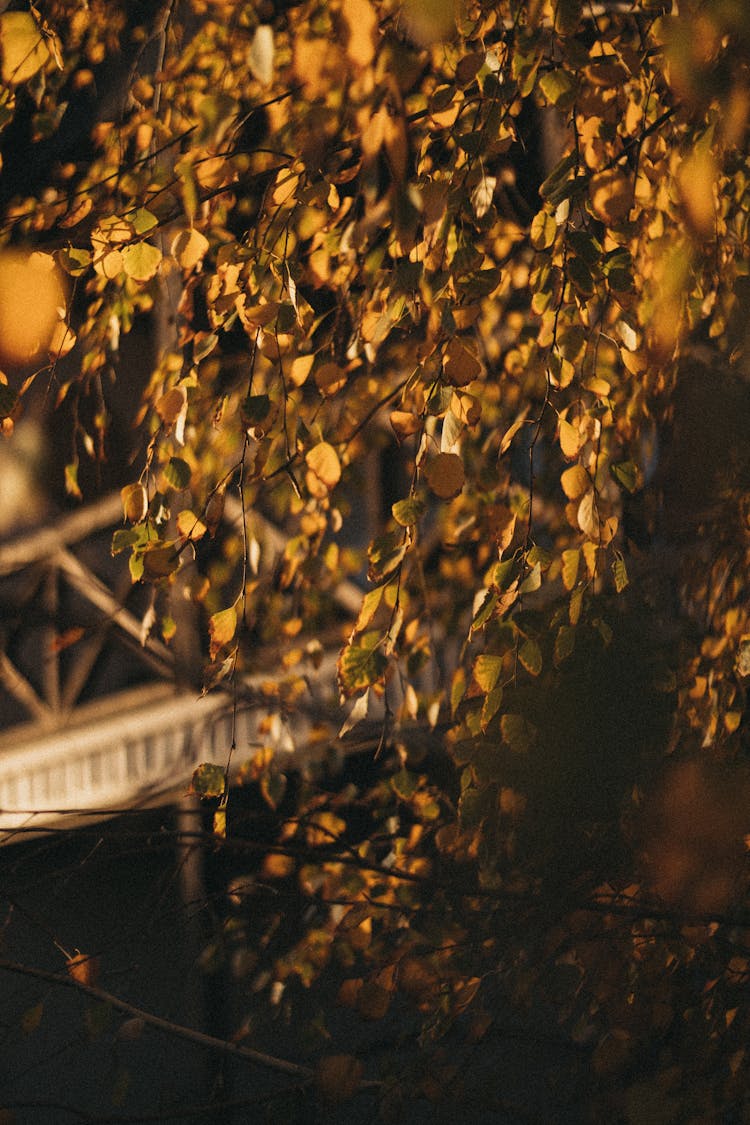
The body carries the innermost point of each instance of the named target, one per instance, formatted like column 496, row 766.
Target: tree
column 507, row 242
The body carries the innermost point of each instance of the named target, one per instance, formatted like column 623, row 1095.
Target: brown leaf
column 460, row 365
column 445, row 475
column 338, row 1077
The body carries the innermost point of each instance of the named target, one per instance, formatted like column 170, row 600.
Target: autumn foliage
column 505, row 247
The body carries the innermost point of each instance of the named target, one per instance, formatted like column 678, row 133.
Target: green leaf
column 160, row 561
column 543, row 230
column 627, row 474
column 558, row 178
column 530, row 656
column 143, row 220
column 564, row 643
column 485, row 611
column 141, row 261
column 533, row 580
column 619, row 573
column 407, row 512
column 517, row 732
column 361, row 665
column 126, row 537
column 404, row 784
column 486, row 671
column 385, row 554
column 559, row 88
column 178, row 473
column 74, row 261
column 491, row 706
column 209, row 780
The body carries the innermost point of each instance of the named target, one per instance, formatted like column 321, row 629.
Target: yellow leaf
column 31, row 301
column 189, row 248
column 62, row 341
column 300, row 369
column 134, row 502
column 329, row 378
column 430, row 21
column 445, row 475
column 486, row 671
column 575, row 482
column 571, row 439
column 511, row 432
column 24, row 50
column 611, row 196
column 598, row 387
column 260, row 54
column 108, row 264
column 286, row 186
column 570, row 562
column 362, row 22
column 696, row 177
column 588, row 515
column 589, row 554
column 222, row 627
column 189, row 525
column 404, row 423
column 324, row 469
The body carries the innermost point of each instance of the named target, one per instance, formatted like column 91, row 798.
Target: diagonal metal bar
column 19, row 686
column 93, row 589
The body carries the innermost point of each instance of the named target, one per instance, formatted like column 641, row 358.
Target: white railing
column 70, row 762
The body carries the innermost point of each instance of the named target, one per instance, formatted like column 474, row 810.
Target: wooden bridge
column 91, row 717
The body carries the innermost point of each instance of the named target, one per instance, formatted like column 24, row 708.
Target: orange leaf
column 83, row 968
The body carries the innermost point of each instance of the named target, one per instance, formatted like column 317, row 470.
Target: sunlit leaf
column 261, row 53
column 324, row 469
column 177, row 473
column 619, row 573
column 189, row 247
column 359, row 667
column 134, row 502
column 222, row 627
column 627, row 474
column 407, row 512
column 24, row 49
column 487, row 670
